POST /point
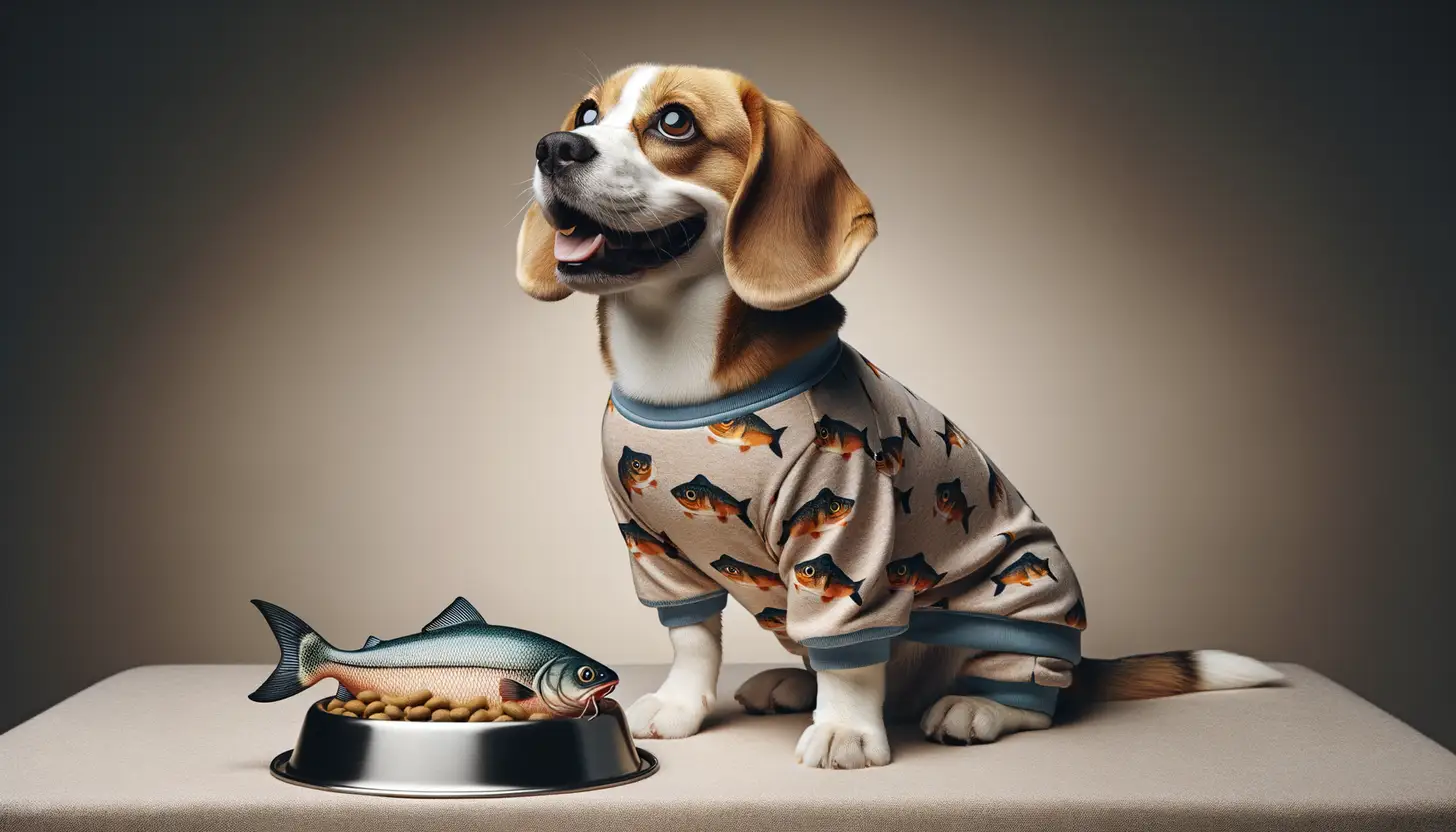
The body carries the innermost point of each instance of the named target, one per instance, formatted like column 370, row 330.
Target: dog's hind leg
column 778, row 690
column 974, row 714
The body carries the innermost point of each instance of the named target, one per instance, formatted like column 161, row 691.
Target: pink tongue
column 577, row 249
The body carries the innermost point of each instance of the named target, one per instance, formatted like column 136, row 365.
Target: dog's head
column 668, row 172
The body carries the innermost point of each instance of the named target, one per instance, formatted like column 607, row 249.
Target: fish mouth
column 600, row 691
column 589, row 252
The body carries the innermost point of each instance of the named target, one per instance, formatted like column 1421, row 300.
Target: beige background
column 1181, row 272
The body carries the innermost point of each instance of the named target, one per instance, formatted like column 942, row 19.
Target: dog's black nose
column 562, row 148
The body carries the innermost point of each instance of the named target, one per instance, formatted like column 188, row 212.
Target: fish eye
column 675, row 123
column 823, row 431
column 834, row 505
column 900, row 570
column 585, row 674
column 806, row 571
column 587, row 113
column 731, row 570
column 690, row 494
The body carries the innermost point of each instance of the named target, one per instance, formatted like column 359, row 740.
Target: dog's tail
column 1155, row 675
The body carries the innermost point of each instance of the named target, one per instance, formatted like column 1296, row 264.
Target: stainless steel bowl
column 463, row 759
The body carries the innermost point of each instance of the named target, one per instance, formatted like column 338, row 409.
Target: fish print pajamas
column 843, row 511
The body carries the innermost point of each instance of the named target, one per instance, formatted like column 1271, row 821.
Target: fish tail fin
column 854, row 594
column 788, row 524
column 299, row 648
column 904, row 498
column 743, row 512
column 906, row 432
column 1000, row 588
column 773, row 444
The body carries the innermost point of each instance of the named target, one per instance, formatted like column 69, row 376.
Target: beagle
column 749, row 453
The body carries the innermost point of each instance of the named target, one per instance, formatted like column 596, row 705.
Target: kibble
column 426, row 706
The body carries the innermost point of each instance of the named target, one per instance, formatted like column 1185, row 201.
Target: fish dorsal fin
column 700, row 480
column 825, row 494
column 513, row 691
column 343, row 694
column 459, row 612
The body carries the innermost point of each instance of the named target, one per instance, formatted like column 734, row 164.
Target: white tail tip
column 1221, row 670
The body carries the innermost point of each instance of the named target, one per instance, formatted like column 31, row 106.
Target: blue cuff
column 1028, row 696
column 690, row 611
column 995, row 634
column 858, row 649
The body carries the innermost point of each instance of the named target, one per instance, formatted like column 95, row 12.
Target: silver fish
column 457, row 655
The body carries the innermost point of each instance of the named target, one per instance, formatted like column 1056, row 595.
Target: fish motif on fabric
column 912, row 573
column 747, row 432
column 951, row 505
column 902, row 498
column 772, row 619
column 699, row 496
column 952, row 436
column 634, row 471
column 643, row 542
column 747, row 574
column 891, row 458
column 817, row 515
column 1077, row 616
column 842, row 438
column 1024, row 571
column 824, row 577
column 457, row 655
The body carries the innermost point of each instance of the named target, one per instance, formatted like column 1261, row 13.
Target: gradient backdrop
column 1184, row 271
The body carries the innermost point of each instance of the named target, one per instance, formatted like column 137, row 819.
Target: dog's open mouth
column 585, row 246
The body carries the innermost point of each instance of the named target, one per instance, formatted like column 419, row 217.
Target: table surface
column 180, row 747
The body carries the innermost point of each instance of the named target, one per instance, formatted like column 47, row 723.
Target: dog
column 749, row 453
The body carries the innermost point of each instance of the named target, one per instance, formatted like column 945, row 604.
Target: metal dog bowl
column 463, row 759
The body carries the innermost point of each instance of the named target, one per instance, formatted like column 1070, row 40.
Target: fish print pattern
column 634, row 471
column 747, row 432
column 642, row 542
column 772, row 619
column 822, row 576
column 902, row 498
column 891, row 458
column 951, row 505
column 952, row 436
column 815, row 516
column 1077, row 616
column 1024, row 571
column 912, row 573
column 699, row 496
column 842, row 438
column 747, row 574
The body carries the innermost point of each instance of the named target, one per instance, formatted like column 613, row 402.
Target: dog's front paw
column 965, row 720
column 779, row 690
column 658, row 716
column 841, row 745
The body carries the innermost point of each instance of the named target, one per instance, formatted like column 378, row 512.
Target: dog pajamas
column 843, row 512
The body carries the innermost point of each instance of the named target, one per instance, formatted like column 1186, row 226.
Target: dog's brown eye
column 676, row 122
column 587, row 114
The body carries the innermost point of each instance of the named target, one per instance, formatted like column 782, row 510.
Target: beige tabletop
column 180, row 747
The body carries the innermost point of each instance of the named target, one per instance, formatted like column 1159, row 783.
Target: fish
column 611, row 405
column 814, row 517
column 772, row 618
column 1026, row 569
column 823, row 576
column 642, row 542
column 343, row 694
column 457, row 655
column 634, row 469
column 903, row 498
column 747, row 432
column 995, row 489
column 841, row 438
column 950, row 503
column 745, row 573
column 1077, row 616
column 891, row 458
column 952, row 435
column 1010, row 536
column 699, row 496
column 912, row 573
column 873, row 368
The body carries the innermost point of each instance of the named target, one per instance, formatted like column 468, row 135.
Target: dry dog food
column 425, row 706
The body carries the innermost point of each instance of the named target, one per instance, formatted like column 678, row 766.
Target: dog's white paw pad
column 668, row 718
column 779, row 690
column 836, row 745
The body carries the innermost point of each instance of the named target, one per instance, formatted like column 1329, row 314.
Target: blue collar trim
column 784, row 383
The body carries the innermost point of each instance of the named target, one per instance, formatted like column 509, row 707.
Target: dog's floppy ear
column 536, row 258
column 798, row 223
